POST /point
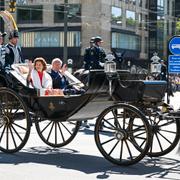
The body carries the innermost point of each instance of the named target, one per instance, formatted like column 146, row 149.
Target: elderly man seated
column 59, row 79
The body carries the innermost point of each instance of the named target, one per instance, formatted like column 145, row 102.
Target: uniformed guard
column 13, row 51
column 94, row 56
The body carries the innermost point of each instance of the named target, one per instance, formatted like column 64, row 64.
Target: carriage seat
column 20, row 72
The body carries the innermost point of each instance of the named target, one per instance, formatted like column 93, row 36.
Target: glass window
column 140, row 3
column 49, row 39
column 160, row 6
column 140, row 20
column 29, row 14
column 116, row 15
column 74, row 13
column 125, row 41
column 130, row 18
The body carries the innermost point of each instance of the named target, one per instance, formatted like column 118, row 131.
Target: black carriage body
column 140, row 90
column 87, row 105
column 93, row 101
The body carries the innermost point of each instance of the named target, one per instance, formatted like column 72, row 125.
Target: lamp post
column 65, row 30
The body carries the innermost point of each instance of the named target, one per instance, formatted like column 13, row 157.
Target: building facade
column 136, row 27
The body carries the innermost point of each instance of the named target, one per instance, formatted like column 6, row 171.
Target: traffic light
column 12, row 6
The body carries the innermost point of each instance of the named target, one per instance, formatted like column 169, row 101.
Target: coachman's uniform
column 13, row 55
column 94, row 57
column 13, row 52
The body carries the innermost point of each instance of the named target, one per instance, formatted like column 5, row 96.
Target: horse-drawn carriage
column 126, row 117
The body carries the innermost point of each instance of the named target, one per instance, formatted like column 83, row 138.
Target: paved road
column 82, row 160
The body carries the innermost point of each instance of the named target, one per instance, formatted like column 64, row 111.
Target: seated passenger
column 38, row 75
column 59, row 79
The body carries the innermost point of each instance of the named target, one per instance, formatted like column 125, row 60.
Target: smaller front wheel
column 56, row 133
column 122, row 134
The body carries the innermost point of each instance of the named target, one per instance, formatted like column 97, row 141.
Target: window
column 140, row 3
column 74, row 13
column 29, row 14
column 130, row 18
column 49, row 39
column 160, row 6
column 116, row 15
column 140, row 20
column 125, row 41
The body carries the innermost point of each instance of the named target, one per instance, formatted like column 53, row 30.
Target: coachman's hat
column 13, row 34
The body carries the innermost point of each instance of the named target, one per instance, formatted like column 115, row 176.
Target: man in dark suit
column 59, row 79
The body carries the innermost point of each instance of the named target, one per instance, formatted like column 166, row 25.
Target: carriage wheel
column 113, row 134
column 57, row 133
column 14, row 121
column 165, row 135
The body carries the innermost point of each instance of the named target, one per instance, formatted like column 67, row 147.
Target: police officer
column 94, row 56
column 13, row 51
column 2, row 50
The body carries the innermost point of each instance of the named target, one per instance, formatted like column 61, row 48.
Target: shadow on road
column 72, row 159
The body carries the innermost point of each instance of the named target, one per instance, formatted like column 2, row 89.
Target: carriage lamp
column 110, row 70
column 110, row 65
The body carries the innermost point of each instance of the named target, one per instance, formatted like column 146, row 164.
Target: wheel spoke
column 110, row 124
column 113, row 148
column 46, row 127
column 108, row 141
column 115, row 117
column 13, row 137
column 166, row 124
column 55, row 133
column 66, row 128
column 61, row 132
column 2, row 133
column 7, row 138
column 14, row 113
column 50, row 131
column 19, row 126
column 172, row 132
column 128, row 149
column 17, row 133
column 164, row 138
column 160, row 145
column 121, row 150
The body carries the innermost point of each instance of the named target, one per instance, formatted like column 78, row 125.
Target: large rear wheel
column 14, row 121
column 122, row 134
